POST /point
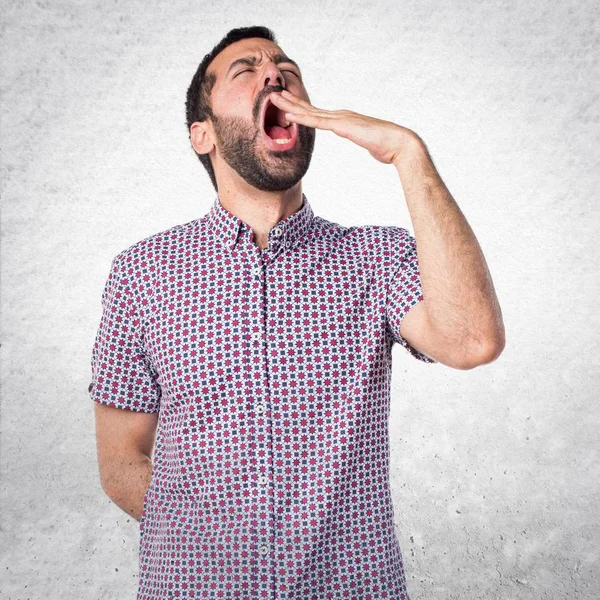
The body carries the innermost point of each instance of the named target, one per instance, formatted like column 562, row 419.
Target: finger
column 288, row 95
column 311, row 120
column 282, row 102
column 296, row 100
column 298, row 105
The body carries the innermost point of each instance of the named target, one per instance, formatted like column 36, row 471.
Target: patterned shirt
column 270, row 370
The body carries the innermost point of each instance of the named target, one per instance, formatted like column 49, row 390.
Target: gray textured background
column 495, row 470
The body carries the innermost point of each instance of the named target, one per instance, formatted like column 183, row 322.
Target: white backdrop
column 495, row 471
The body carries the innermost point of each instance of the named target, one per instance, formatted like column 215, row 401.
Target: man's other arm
column 124, row 442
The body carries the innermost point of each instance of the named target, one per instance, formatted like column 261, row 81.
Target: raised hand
column 384, row 140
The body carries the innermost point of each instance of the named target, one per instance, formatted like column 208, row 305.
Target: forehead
column 246, row 47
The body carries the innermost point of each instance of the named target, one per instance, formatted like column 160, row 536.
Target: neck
column 261, row 210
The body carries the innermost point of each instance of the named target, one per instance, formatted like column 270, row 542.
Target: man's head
column 225, row 111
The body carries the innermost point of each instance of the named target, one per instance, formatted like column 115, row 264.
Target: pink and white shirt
column 270, row 370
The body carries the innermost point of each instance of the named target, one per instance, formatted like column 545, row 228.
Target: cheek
column 303, row 94
column 234, row 104
column 240, row 109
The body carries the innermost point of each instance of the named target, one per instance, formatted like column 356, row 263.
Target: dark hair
column 197, row 105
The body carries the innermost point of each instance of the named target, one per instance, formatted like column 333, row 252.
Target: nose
column 272, row 75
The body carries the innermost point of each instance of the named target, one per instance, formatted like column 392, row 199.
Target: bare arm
column 124, row 441
column 460, row 321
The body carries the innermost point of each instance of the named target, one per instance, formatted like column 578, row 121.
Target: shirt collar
column 288, row 232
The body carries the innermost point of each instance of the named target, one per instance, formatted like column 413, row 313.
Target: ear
column 201, row 137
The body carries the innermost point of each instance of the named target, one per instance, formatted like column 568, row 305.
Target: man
column 254, row 345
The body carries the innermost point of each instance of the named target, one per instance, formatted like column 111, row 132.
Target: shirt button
column 277, row 231
column 260, row 407
column 256, row 271
column 263, row 548
column 262, row 480
column 256, row 336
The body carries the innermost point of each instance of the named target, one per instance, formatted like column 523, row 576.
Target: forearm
column 127, row 482
column 457, row 286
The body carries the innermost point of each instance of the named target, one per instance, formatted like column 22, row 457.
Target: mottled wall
column 495, row 470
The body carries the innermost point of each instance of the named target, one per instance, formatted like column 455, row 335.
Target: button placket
column 258, row 356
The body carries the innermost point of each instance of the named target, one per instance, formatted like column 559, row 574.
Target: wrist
column 412, row 149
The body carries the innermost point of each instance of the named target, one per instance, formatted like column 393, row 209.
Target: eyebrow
column 252, row 60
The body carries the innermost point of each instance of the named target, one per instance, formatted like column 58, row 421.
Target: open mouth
column 278, row 133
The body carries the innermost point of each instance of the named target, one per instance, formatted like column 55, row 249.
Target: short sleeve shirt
column 270, row 370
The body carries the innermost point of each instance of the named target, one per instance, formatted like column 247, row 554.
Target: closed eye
column 283, row 71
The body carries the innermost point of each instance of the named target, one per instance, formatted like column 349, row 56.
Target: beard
column 241, row 145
